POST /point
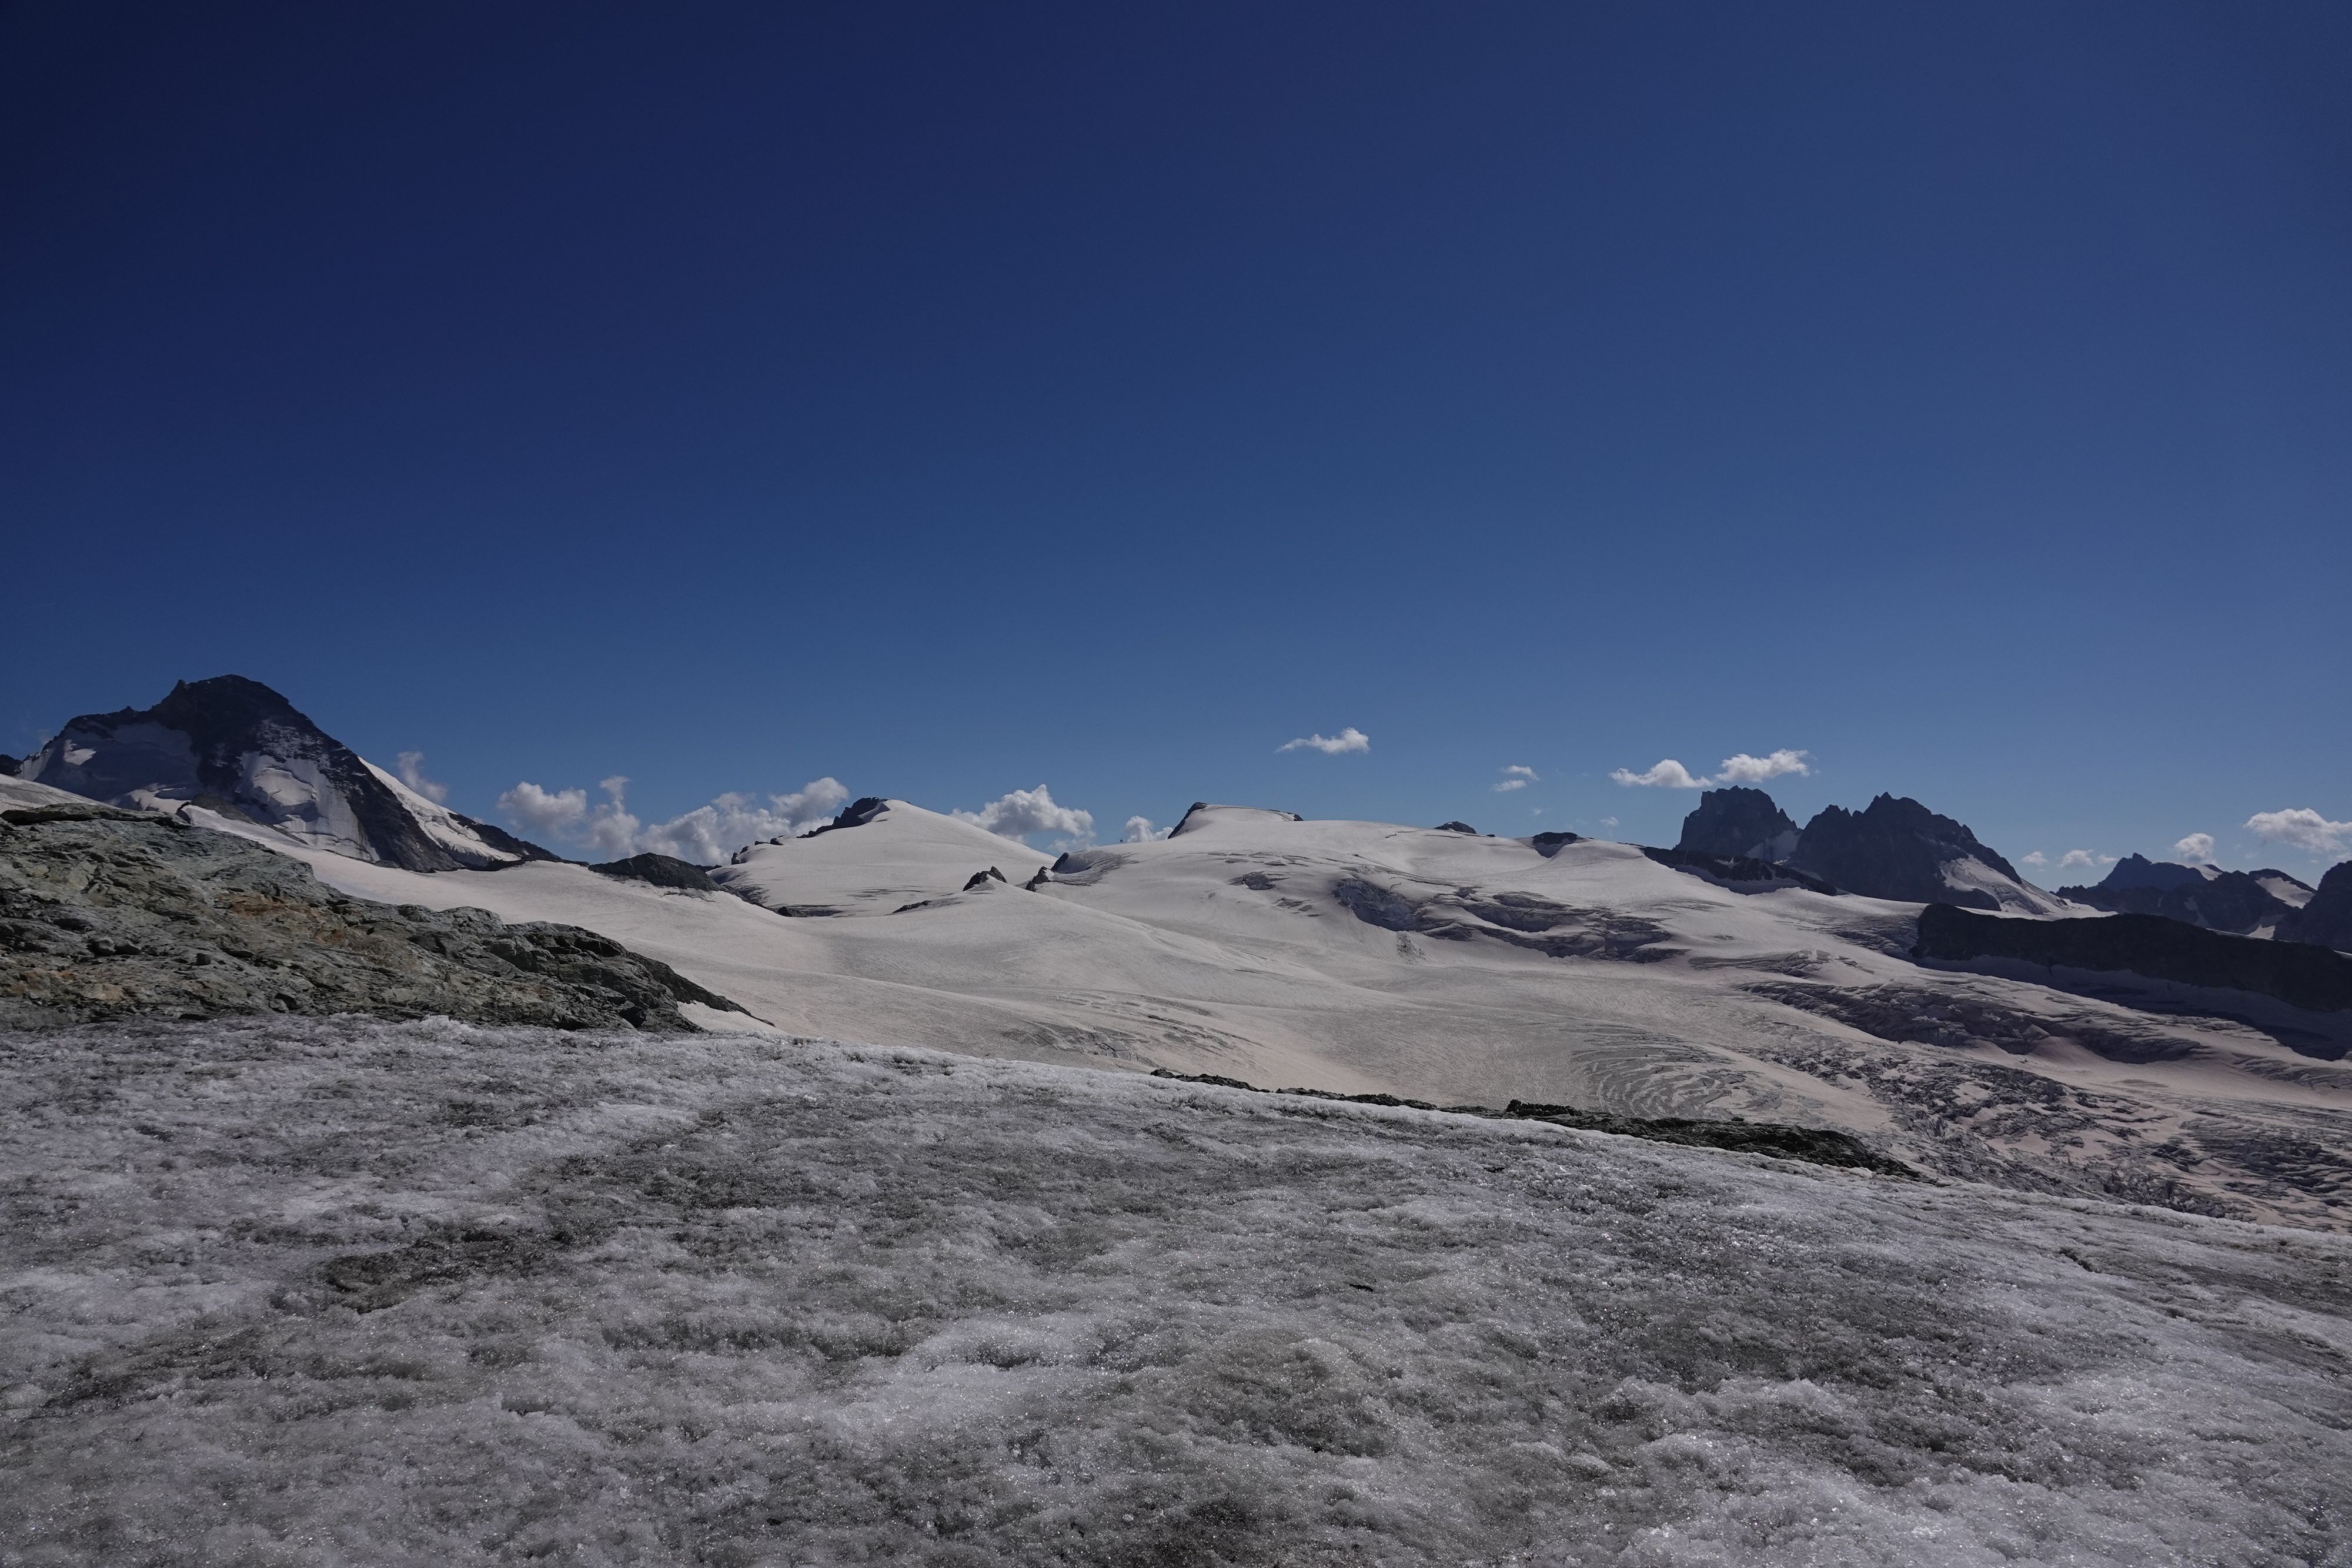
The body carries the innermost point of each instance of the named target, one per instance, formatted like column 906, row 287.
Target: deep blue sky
column 950, row 398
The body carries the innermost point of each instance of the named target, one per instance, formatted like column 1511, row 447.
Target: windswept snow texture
column 332, row 1291
column 1364, row 957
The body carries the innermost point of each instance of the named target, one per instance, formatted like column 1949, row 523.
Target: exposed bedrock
column 108, row 914
column 1520, row 919
column 2149, row 945
column 662, row 870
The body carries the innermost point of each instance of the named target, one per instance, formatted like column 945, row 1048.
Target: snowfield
column 337, row 1291
column 1366, row 957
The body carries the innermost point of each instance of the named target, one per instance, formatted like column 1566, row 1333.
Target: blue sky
column 950, row 400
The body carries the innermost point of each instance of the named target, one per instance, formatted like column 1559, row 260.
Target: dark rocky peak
column 2137, row 871
column 859, row 812
column 662, row 870
column 229, row 742
column 10, row 764
column 982, row 878
column 1742, row 822
column 1456, row 828
column 1550, row 844
column 1896, row 848
column 2326, row 920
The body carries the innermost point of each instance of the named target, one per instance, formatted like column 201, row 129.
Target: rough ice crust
column 311, row 1291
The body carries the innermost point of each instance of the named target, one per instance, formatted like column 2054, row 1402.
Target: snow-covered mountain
column 231, row 748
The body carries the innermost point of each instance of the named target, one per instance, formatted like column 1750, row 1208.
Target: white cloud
column 2304, row 829
column 1742, row 769
column 412, row 773
column 1349, row 740
column 706, row 835
column 1608, row 822
column 1516, row 777
column 2196, row 849
column 1746, row 769
column 2037, row 860
column 2077, row 859
column 1139, row 831
column 1025, row 811
column 1668, row 775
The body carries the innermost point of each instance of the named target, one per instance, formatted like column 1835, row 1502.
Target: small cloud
column 1741, row 769
column 2196, row 849
column 1668, row 774
column 1349, row 740
column 1608, row 822
column 706, row 835
column 1746, row 769
column 2077, row 859
column 2037, row 860
column 1516, row 777
column 1139, row 831
column 1021, row 812
column 2303, row 828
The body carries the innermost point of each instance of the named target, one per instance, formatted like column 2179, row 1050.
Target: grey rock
column 662, row 870
column 106, row 913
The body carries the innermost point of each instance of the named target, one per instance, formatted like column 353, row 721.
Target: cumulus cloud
column 706, row 835
column 1516, row 777
column 1139, row 831
column 1349, row 740
column 412, row 773
column 1742, row 769
column 1668, row 774
column 2036, row 860
column 1025, row 811
column 1746, row 769
column 2304, row 829
column 2077, row 859
column 2196, row 849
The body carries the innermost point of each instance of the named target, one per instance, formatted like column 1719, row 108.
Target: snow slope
column 1365, row 956
column 333, row 1291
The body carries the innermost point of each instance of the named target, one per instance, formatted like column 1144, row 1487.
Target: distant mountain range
column 2244, row 903
column 231, row 752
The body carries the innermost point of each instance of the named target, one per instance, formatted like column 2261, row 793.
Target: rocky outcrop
column 233, row 746
column 1742, row 874
column 856, row 814
column 1456, row 828
column 2148, row 945
column 982, row 878
column 1743, row 823
column 2326, row 920
column 662, row 870
column 1896, row 848
column 2234, row 901
column 1550, row 844
column 109, row 913
column 1813, row 1145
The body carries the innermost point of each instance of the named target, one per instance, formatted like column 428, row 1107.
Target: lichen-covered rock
column 106, row 913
